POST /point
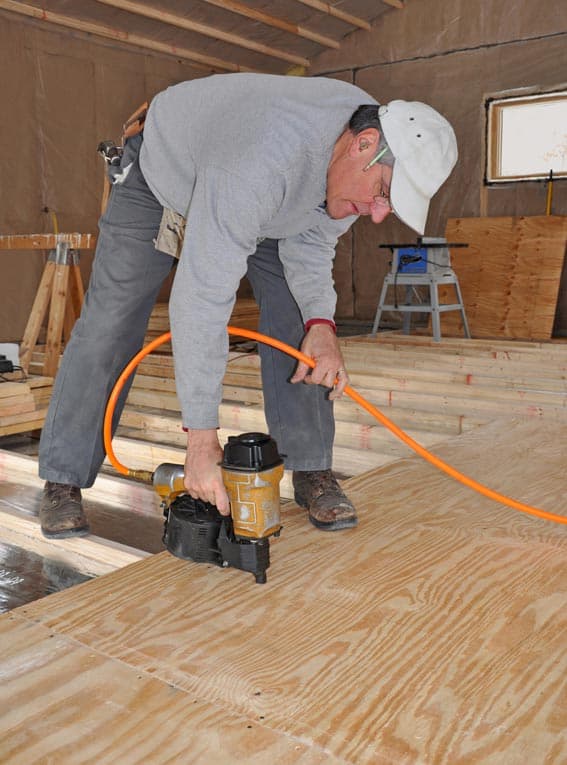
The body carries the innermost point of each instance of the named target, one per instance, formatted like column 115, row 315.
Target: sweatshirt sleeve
column 307, row 260
column 221, row 232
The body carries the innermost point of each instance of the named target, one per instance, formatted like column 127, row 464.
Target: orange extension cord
column 438, row 463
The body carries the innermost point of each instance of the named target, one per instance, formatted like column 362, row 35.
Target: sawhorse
column 59, row 295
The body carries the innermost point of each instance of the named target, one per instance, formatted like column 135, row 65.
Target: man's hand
column 203, row 477
column 321, row 344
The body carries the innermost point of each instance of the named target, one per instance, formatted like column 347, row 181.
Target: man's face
column 352, row 190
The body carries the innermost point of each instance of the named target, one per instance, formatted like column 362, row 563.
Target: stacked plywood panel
column 509, row 275
column 23, row 402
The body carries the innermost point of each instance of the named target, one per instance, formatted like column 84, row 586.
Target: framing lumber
column 140, row 449
column 204, row 29
column 91, row 555
column 197, row 59
column 46, row 241
column 273, row 21
column 23, row 403
column 107, row 489
column 337, row 13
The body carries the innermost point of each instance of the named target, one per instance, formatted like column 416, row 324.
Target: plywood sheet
column 434, row 632
column 60, row 699
column 509, row 275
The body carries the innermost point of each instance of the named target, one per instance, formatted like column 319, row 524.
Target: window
column 527, row 137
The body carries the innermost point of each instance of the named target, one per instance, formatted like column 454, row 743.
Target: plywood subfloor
column 432, row 633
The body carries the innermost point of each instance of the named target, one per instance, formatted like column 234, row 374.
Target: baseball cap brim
column 424, row 147
column 408, row 203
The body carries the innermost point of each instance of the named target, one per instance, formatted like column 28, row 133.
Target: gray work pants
column 126, row 277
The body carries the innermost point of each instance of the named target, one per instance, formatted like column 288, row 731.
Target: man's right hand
column 203, row 476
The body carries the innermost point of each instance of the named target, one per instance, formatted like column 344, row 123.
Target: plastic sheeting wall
column 61, row 94
column 453, row 54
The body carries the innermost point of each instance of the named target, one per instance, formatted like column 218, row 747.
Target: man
column 267, row 172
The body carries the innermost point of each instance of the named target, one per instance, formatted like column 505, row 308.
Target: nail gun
column 195, row 530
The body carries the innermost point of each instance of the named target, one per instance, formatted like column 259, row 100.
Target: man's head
column 390, row 158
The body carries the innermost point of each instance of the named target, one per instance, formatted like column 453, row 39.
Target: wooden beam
column 332, row 10
column 194, row 26
column 118, row 35
column 91, row 555
column 273, row 21
column 394, row 3
column 46, row 241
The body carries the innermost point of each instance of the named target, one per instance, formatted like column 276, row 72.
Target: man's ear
column 365, row 142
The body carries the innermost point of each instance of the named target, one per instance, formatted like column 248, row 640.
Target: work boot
column 319, row 493
column 61, row 512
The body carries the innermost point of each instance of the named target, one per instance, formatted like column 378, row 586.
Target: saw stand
column 59, row 297
column 425, row 264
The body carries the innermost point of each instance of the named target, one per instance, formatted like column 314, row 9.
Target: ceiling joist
column 337, row 13
column 194, row 26
column 198, row 59
column 273, row 21
column 246, row 44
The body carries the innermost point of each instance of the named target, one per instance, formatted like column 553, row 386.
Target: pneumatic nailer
column 195, row 530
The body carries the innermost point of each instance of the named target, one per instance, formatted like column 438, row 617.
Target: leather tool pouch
column 171, row 233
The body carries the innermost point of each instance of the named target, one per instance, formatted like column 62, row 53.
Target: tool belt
column 172, row 227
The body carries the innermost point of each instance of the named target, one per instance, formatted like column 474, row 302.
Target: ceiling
column 281, row 36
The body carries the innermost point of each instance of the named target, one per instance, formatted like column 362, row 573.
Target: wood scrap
column 23, row 402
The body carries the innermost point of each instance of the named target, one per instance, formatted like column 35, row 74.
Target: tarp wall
column 452, row 54
column 62, row 92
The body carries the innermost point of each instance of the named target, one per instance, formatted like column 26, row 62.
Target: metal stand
column 426, row 264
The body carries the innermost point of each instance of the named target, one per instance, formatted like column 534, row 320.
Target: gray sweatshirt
column 243, row 157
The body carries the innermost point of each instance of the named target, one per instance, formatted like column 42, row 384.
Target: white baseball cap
column 425, row 151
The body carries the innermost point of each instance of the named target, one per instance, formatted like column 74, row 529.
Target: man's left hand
column 321, row 344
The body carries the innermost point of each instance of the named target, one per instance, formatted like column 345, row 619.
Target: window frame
column 495, row 107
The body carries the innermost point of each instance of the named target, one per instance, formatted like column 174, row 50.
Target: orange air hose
column 376, row 413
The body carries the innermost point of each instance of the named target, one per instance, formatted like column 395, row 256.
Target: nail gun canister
column 252, row 470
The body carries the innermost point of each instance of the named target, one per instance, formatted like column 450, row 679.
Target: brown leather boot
column 61, row 512
column 329, row 507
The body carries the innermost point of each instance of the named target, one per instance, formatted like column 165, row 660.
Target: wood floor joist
column 431, row 401
column 432, row 390
column 91, row 555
